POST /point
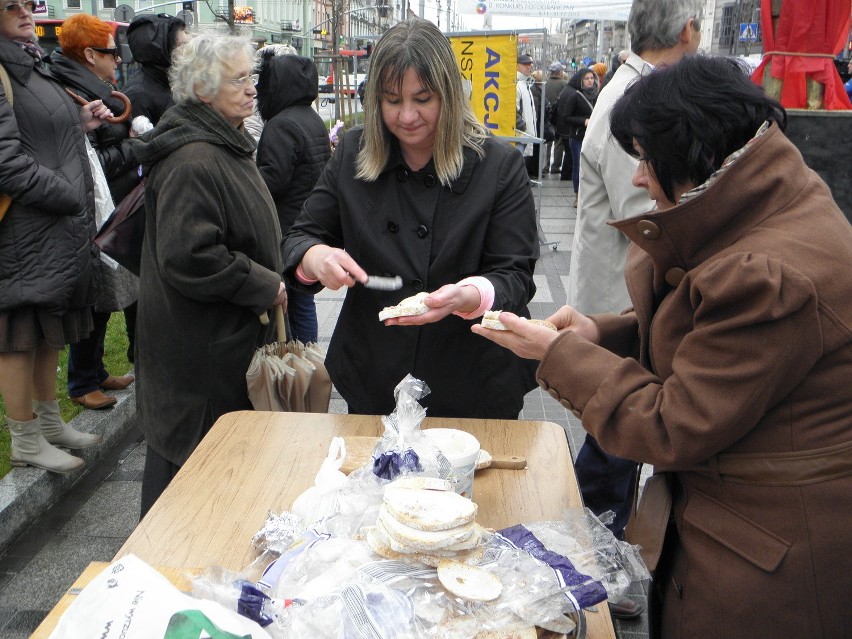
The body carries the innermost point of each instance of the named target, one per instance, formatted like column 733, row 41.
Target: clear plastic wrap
column 404, row 449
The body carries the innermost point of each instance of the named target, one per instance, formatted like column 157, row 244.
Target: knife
column 383, row 283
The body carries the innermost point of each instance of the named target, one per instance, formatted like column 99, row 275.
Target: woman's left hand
column 94, row 114
column 447, row 299
column 523, row 338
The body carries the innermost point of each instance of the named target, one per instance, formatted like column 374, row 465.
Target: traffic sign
column 748, row 32
column 124, row 13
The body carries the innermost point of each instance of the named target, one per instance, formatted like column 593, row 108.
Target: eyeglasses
column 111, row 51
column 243, row 81
column 15, row 7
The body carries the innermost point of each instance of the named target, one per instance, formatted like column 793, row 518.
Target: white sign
column 567, row 9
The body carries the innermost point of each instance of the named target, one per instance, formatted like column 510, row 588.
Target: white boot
column 29, row 447
column 56, row 431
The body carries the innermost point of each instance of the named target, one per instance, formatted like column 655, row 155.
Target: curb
column 26, row 492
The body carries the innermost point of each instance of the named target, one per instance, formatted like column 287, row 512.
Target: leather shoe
column 95, row 400
column 625, row 608
column 117, row 383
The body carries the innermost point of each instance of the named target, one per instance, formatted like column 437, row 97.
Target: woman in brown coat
column 731, row 372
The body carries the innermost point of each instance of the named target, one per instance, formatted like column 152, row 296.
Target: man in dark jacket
column 291, row 154
column 152, row 38
column 552, row 88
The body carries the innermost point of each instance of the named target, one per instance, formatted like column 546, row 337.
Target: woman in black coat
column 86, row 64
column 575, row 108
column 421, row 192
column 292, row 152
column 48, row 265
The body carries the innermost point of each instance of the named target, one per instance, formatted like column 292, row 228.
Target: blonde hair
column 419, row 45
column 197, row 66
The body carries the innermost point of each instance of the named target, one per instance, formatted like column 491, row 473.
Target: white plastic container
column 462, row 451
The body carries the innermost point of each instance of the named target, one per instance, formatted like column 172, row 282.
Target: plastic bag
column 131, row 600
column 403, row 449
column 322, row 499
column 104, row 205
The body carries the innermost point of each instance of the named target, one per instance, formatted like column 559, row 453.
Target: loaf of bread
column 429, row 510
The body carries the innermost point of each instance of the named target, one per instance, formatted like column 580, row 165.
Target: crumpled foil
column 278, row 532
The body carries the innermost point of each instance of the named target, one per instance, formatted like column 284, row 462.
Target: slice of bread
column 469, row 582
column 429, row 510
column 422, row 540
column 409, row 306
column 544, row 323
column 491, row 320
column 374, row 540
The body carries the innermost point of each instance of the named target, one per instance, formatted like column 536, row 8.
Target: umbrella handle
column 115, row 119
column 279, row 324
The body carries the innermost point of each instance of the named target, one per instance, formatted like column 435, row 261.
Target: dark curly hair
column 690, row 116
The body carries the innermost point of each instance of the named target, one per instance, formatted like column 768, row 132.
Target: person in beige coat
column 731, row 372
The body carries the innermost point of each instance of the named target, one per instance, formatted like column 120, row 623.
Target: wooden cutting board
column 359, row 451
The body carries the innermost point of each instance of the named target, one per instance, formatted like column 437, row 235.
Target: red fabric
column 806, row 26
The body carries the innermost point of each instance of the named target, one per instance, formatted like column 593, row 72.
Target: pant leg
column 567, row 161
column 86, row 359
column 575, row 146
column 302, row 312
column 606, row 483
column 156, row 476
column 558, row 153
column 130, row 324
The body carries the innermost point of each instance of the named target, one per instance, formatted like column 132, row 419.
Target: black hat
column 523, row 58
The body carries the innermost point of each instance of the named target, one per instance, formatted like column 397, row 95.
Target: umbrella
column 288, row 376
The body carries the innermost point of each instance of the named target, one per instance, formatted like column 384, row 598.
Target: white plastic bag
column 131, row 600
column 323, row 498
column 104, row 206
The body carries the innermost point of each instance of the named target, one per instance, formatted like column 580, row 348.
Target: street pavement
column 54, row 526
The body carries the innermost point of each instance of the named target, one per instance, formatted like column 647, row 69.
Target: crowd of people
column 706, row 331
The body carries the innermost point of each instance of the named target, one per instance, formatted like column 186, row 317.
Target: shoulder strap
column 7, row 85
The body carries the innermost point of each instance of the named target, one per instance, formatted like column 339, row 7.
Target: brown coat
column 742, row 339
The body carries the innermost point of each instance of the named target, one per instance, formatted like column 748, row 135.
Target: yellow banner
column 489, row 66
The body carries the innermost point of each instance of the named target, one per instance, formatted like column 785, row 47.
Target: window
column 72, row 4
column 109, row 4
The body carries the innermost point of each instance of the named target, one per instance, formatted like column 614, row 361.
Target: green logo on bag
column 190, row 624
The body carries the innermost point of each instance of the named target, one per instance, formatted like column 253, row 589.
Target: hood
column 284, row 81
column 578, row 76
column 152, row 38
column 82, row 81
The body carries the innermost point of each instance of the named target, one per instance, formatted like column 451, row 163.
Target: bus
column 48, row 29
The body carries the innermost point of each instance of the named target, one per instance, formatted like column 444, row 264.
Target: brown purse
column 647, row 526
column 121, row 235
column 6, row 200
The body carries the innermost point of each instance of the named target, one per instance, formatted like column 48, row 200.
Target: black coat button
column 402, row 175
column 422, row 231
column 417, row 285
column 393, row 227
column 430, row 181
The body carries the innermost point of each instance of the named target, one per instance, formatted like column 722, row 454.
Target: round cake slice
column 429, row 509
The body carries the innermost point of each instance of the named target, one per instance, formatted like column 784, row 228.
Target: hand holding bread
column 433, row 306
column 526, row 338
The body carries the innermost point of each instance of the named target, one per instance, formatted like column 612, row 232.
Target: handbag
column 121, row 235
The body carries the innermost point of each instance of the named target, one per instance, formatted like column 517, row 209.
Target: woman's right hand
column 568, row 318
column 94, row 114
column 333, row 267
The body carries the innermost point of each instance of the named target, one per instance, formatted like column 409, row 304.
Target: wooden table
column 255, row 462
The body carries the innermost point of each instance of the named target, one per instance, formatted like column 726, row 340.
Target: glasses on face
column 243, row 81
column 15, row 7
column 113, row 51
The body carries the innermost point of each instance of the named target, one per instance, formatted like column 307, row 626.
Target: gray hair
column 655, row 25
column 198, row 66
column 419, row 45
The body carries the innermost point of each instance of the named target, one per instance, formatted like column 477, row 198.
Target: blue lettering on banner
column 491, row 100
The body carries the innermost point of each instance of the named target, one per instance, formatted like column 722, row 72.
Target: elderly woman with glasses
column 48, row 266
column 730, row 374
column 86, row 65
column 211, row 260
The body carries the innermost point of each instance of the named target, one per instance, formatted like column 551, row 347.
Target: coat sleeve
column 116, row 159
column 510, row 249
column 191, row 225
column 27, row 181
column 756, row 334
